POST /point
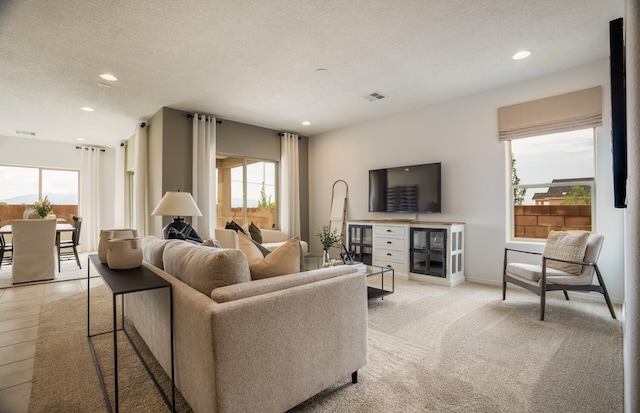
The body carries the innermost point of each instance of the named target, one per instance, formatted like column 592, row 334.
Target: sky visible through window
column 542, row 159
column 19, row 185
column 257, row 173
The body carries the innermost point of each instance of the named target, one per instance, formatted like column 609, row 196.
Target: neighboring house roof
column 562, row 191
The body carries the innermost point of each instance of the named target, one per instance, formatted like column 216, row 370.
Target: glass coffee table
column 378, row 283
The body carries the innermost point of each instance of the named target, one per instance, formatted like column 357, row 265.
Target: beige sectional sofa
column 250, row 346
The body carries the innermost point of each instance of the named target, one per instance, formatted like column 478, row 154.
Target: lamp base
column 179, row 229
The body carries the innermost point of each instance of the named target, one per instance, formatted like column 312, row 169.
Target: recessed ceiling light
column 87, row 109
column 80, row 139
column 306, row 123
column 523, row 54
column 108, row 76
column 322, row 71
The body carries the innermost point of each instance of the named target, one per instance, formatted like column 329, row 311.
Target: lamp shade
column 177, row 204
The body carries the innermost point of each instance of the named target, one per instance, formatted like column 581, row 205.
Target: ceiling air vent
column 25, row 132
column 375, row 96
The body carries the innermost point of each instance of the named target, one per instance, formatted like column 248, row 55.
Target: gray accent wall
column 170, row 157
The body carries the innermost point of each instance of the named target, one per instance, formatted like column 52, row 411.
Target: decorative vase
column 107, row 234
column 325, row 258
column 124, row 253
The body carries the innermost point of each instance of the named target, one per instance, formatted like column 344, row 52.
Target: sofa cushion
column 283, row 260
column 153, row 248
column 268, row 285
column 205, row 268
column 566, row 245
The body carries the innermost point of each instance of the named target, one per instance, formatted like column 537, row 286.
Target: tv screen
column 413, row 188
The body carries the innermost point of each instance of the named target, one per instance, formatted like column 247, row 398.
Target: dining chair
column 4, row 249
column 34, row 254
column 71, row 246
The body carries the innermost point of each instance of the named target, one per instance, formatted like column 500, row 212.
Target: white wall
column 463, row 135
column 39, row 153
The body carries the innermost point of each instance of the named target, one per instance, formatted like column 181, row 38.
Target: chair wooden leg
column 504, row 289
column 566, row 294
column 542, row 303
column 504, row 276
column 605, row 292
column 354, row 377
column 75, row 251
column 59, row 267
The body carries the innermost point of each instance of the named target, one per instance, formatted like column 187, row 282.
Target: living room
column 461, row 132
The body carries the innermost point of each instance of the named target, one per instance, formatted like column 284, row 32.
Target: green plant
column 328, row 238
column 43, row 208
column 264, row 201
column 518, row 193
column 577, row 196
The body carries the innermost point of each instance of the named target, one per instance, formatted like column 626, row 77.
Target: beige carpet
column 431, row 349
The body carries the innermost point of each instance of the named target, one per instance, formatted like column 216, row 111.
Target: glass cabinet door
column 428, row 251
column 361, row 243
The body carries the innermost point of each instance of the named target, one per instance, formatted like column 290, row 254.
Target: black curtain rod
column 281, row 134
column 190, row 116
column 87, row 148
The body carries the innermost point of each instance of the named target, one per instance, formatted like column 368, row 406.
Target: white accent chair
column 540, row 278
column 34, row 250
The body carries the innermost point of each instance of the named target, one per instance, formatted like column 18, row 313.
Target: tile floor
column 19, row 322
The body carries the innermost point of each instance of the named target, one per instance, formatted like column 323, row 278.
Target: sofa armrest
column 273, row 235
column 227, row 238
column 267, row 285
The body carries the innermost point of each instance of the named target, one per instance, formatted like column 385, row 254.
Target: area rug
column 431, row 349
column 69, row 270
column 65, row 378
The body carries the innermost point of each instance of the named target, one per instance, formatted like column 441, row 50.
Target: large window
column 22, row 186
column 246, row 191
column 552, row 183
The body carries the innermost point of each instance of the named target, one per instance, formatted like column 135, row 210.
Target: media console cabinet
column 424, row 251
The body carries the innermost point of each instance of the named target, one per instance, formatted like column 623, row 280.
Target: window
column 22, row 186
column 552, row 183
column 246, row 191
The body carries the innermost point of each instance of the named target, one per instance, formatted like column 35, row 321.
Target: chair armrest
column 522, row 251
column 545, row 258
column 506, row 251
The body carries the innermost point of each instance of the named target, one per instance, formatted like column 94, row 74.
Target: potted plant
column 328, row 239
column 43, row 208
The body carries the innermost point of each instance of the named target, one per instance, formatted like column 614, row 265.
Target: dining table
column 60, row 228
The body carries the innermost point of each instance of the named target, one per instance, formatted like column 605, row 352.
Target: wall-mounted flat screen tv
column 413, row 188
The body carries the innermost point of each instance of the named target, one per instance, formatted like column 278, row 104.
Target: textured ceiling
column 255, row 61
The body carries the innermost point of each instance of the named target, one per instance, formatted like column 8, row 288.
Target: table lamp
column 178, row 204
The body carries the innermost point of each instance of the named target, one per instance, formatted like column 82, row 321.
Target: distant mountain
column 59, row 199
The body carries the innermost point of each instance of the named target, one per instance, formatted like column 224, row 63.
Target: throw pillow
column 211, row 243
column 566, row 245
column 234, row 226
column 283, row 260
column 203, row 268
column 255, row 233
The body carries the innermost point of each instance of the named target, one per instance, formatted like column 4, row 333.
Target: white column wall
column 631, row 317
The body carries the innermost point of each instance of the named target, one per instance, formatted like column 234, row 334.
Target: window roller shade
column 562, row 113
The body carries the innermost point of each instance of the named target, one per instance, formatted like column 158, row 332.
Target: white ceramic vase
column 124, row 253
column 107, row 234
